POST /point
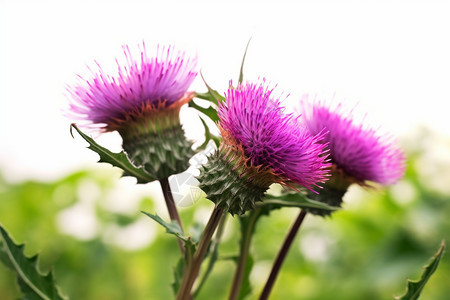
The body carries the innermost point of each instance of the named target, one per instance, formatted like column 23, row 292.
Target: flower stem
column 214, row 250
column 190, row 274
column 244, row 250
column 173, row 212
column 282, row 255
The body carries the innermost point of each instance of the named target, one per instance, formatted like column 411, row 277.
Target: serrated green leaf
column 415, row 287
column 4, row 257
column 241, row 73
column 292, row 200
column 119, row 160
column 171, row 228
column 210, row 111
column 212, row 95
column 32, row 283
column 208, row 136
column 206, row 96
column 189, row 246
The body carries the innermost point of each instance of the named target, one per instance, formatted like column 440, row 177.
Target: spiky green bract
column 332, row 192
column 328, row 195
column 161, row 154
column 142, row 102
column 154, row 139
column 229, row 183
column 261, row 145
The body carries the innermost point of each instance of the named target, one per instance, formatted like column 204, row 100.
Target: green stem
column 190, row 274
column 244, row 250
column 171, row 207
column 281, row 256
column 214, row 250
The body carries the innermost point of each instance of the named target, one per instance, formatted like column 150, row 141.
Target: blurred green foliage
column 366, row 251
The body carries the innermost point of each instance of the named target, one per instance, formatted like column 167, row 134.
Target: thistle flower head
column 142, row 102
column 251, row 118
column 145, row 83
column 356, row 149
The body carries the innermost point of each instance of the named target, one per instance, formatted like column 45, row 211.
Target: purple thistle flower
column 142, row 102
column 144, row 83
column 252, row 119
column 359, row 151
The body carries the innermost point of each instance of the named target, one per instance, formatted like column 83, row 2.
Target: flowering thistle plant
column 314, row 156
column 261, row 146
column 357, row 150
column 358, row 153
column 142, row 103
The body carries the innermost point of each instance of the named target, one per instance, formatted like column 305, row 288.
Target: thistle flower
column 142, row 102
column 359, row 154
column 261, row 145
column 358, row 150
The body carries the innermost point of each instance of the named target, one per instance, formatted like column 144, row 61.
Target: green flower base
column 222, row 180
column 161, row 154
column 328, row 195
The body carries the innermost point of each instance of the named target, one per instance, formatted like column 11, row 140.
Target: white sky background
column 393, row 57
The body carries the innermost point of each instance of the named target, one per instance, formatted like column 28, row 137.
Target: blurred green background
column 366, row 251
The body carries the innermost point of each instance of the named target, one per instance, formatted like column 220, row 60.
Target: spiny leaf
column 208, row 136
column 241, row 73
column 4, row 257
column 32, row 283
column 171, row 228
column 206, row 96
column 210, row 111
column 174, row 229
column 119, row 160
column 292, row 200
column 212, row 95
column 415, row 287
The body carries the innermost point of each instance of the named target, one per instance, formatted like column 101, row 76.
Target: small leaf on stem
column 171, row 228
column 119, row 160
column 212, row 95
column 208, row 136
column 210, row 111
column 241, row 73
column 415, row 287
